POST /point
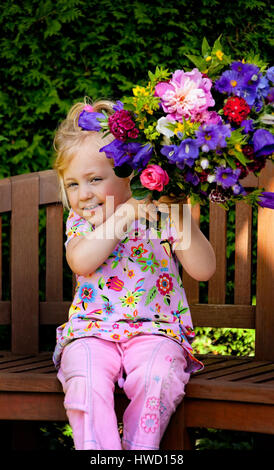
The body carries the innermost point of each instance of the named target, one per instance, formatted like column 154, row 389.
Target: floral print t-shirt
column 137, row 290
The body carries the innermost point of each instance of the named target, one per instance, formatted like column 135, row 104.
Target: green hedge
column 55, row 52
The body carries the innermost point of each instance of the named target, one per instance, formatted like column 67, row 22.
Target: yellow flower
column 140, row 90
column 205, row 71
column 238, row 148
column 179, row 128
column 208, row 58
column 219, row 54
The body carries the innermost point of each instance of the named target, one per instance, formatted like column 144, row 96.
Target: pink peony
column 154, row 177
column 186, row 95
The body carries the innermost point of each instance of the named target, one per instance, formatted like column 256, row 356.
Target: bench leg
column 177, row 436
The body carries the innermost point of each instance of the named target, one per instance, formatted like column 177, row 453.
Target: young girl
column 129, row 320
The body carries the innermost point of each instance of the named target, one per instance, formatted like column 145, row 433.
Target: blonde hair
column 69, row 136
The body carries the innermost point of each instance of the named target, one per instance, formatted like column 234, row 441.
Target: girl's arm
column 198, row 258
column 86, row 253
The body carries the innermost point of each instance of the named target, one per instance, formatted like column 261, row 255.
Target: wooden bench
column 235, row 393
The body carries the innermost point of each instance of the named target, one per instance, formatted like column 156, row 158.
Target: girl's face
column 93, row 189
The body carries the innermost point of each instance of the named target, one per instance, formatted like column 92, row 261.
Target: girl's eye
column 70, row 185
column 95, row 179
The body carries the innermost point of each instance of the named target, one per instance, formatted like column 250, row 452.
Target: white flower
column 211, row 178
column 267, row 119
column 204, row 163
column 162, row 126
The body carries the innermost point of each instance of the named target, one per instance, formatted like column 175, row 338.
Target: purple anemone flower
column 185, row 153
column 88, row 121
column 135, row 154
column 266, row 199
column 142, row 156
column 188, row 152
column 118, row 106
column 211, row 136
column 263, row 142
column 246, row 69
column 270, row 74
column 247, row 125
column 170, row 151
column 229, row 82
column 192, row 178
column 270, row 96
column 227, row 177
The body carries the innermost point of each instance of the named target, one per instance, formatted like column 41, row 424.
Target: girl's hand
column 142, row 208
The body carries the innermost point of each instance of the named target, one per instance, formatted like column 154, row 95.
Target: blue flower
column 263, row 142
column 142, row 156
column 270, row 74
column 247, row 125
column 188, row 151
column 118, row 106
column 135, row 154
column 170, row 151
column 229, row 82
column 185, row 153
column 211, row 136
column 89, row 121
column 266, row 199
column 192, row 178
column 87, row 292
column 227, row 177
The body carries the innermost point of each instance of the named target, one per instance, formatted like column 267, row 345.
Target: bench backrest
column 23, row 197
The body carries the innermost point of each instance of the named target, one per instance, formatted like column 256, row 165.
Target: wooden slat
column 54, row 313
column 265, row 272
column 42, row 406
column 217, row 237
column 239, row 371
column 24, row 263
column 54, row 253
column 250, row 181
column 199, row 388
column 243, row 226
column 5, row 309
column 252, row 417
column 190, row 285
column 223, row 316
column 5, row 195
column 223, row 367
column 49, row 188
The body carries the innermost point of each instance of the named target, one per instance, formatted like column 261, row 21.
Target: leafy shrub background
column 55, row 52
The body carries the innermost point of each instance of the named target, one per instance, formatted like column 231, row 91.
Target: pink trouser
column 155, row 381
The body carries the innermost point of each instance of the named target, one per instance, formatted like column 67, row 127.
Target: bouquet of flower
column 194, row 134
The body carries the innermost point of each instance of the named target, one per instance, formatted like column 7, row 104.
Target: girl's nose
column 85, row 192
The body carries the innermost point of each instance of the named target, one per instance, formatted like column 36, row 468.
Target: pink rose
column 154, row 177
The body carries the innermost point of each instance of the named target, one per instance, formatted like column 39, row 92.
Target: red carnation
column 236, row 109
column 248, row 151
column 122, row 126
column 257, row 165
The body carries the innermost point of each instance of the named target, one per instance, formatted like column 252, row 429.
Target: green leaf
column 205, row 48
column 151, row 295
column 101, row 282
